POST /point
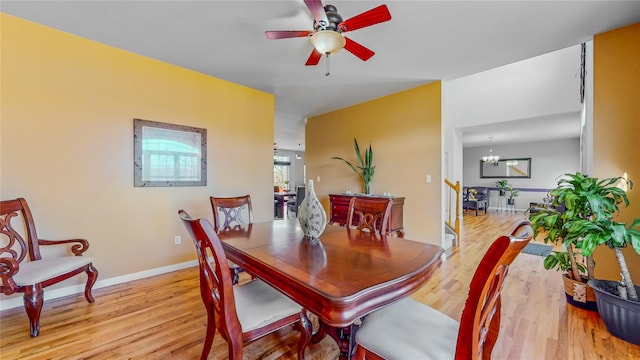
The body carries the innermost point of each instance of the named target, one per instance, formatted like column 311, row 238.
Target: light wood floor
column 163, row 317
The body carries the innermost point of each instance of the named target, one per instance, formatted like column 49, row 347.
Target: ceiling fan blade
column 314, row 58
column 317, row 11
column 367, row 18
column 358, row 50
column 273, row 35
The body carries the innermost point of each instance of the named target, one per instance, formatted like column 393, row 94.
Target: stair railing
column 451, row 190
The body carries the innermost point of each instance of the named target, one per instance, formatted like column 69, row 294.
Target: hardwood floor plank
column 163, row 317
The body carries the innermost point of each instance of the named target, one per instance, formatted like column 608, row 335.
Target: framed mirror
column 169, row 154
column 506, row 168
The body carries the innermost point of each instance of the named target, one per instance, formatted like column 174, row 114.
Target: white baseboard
column 495, row 209
column 49, row 294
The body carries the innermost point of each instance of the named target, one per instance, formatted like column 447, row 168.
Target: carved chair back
column 371, row 214
column 480, row 321
column 294, row 204
column 216, row 287
column 18, row 230
column 231, row 211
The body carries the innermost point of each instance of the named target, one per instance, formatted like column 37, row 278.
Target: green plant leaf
column 365, row 168
column 550, row 262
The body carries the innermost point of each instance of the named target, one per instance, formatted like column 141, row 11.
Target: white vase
column 311, row 214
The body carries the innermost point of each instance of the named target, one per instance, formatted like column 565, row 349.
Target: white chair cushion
column 409, row 330
column 230, row 263
column 33, row 272
column 258, row 304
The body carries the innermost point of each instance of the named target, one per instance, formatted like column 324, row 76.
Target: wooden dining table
column 281, row 198
column 340, row 277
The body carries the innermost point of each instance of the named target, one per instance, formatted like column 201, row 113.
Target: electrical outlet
column 177, row 240
column 428, row 179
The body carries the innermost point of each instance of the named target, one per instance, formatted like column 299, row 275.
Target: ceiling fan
column 328, row 28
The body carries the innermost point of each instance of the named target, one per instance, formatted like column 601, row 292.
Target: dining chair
column 240, row 313
column 412, row 330
column 294, row 204
column 228, row 212
column 371, row 214
column 26, row 268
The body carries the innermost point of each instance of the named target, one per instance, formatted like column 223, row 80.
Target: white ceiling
column 566, row 125
column 423, row 42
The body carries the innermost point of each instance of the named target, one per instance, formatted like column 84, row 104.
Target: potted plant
column 554, row 224
column 512, row 193
column 365, row 167
column 502, row 186
column 617, row 301
column 587, row 222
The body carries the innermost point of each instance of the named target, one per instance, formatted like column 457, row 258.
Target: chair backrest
column 300, row 194
column 216, row 287
column 480, row 322
column 371, row 214
column 17, row 231
column 465, row 193
column 483, row 193
column 228, row 211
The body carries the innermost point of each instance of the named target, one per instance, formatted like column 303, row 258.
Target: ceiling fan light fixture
column 327, row 41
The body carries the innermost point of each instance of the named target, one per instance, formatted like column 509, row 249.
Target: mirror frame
column 527, row 176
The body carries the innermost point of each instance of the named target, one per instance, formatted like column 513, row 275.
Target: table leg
column 279, row 208
column 344, row 338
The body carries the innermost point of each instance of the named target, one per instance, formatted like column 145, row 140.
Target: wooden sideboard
column 339, row 205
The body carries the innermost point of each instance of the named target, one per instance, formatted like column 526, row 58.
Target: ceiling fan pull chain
column 327, row 65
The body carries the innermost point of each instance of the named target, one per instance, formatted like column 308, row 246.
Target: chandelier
column 491, row 159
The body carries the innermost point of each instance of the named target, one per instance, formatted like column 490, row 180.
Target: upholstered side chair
column 240, row 313
column 411, row 330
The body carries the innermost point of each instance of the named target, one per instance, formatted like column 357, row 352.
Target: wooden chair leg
column 236, row 349
column 92, row 276
column 211, row 333
column 33, row 299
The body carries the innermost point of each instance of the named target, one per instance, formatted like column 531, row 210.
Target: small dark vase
column 367, row 187
column 620, row 316
column 511, row 201
column 502, row 192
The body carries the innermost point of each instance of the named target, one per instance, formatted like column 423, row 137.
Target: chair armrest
column 80, row 247
column 8, row 268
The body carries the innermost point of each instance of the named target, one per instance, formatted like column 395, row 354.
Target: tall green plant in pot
column 591, row 205
column 365, row 167
column 618, row 301
column 577, row 194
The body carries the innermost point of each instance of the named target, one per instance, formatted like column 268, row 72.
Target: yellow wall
column 616, row 129
column 68, row 106
column 404, row 130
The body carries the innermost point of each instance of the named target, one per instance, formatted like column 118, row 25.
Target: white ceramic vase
column 311, row 214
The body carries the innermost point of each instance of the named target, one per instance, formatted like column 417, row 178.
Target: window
column 281, row 166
